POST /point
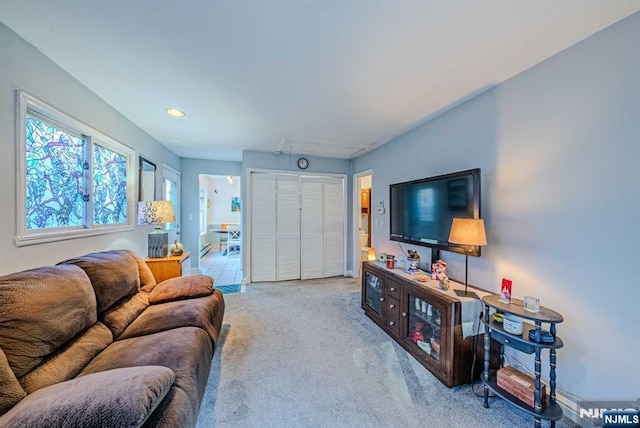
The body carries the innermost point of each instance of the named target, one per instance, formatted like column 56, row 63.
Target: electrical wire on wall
column 401, row 249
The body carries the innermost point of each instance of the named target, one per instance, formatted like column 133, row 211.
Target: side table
column 547, row 409
column 169, row 267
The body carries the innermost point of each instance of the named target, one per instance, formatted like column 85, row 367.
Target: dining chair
column 234, row 240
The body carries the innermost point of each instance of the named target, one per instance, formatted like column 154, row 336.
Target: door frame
column 246, row 214
column 356, row 219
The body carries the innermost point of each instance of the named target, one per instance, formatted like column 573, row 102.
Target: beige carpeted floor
column 303, row 354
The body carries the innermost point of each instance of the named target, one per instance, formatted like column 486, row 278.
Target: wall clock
column 303, row 163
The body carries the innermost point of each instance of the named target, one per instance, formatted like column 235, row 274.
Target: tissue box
column 519, row 384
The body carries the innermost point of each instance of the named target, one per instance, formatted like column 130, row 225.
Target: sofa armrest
column 182, row 287
column 123, row 397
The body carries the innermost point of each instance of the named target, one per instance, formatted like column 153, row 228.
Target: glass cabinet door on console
column 427, row 331
column 424, row 322
column 373, row 292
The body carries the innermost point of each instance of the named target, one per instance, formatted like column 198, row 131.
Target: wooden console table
column 169, row 267
column 427, row 322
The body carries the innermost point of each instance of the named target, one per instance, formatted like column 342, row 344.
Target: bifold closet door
column 311, row 228
column 288, row 227
column 322, row 227
column 297, row 227
column 263, row 227
column 333, row 226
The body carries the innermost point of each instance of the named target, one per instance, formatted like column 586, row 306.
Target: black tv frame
column 473, row 250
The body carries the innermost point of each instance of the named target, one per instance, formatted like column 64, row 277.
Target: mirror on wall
column 147, row 180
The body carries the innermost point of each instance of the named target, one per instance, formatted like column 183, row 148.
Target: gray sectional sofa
column 95, row 342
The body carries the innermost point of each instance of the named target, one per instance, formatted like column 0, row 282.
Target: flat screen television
column 421, row 211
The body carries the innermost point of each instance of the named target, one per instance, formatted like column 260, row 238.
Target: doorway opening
column 363, row 217
column 220, row 217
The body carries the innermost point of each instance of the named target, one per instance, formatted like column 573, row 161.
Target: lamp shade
column 155, row 212
column 468, row 231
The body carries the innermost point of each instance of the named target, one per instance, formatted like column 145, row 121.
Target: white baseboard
column 350, row 274
column 569, row 404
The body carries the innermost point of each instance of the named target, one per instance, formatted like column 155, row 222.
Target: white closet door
column 288, row 227
column 311, row 228
column 263, row 227
column 333, row 225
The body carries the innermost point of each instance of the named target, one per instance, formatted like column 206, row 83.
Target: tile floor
column 224, row 269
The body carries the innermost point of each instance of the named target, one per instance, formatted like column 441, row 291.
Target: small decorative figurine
column 438, row 270
column 413, row 258
column 416, row 334
column 444, row 282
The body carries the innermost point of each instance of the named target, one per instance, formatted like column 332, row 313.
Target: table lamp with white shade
column 158, row 213
column 469, row 232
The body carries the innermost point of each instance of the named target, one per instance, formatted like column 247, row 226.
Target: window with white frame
column 72, row 179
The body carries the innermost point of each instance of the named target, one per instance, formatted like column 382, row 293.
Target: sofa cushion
column 115, row 398
column 40, row 310
column 181, row 287
column 12, row 392
column 119, row 316
column 147, row 280
column 69, row 360
column 203, row 312
column 187, row 351
column 113, row 274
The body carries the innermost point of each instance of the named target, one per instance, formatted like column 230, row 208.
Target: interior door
column 311, row 228
column 333, row 226
column 288, row 227
column 263, row 227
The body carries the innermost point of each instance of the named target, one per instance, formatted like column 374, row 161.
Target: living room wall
column 24, row 67
column 559, row 149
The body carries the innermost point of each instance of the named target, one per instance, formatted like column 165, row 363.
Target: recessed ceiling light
column 175, row 112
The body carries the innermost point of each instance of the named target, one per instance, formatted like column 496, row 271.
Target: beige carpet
column 303, row 354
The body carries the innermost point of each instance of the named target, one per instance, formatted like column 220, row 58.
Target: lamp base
column 158, row 244
column 463, row 293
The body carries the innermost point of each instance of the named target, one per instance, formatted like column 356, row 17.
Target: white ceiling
column 318, row 77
